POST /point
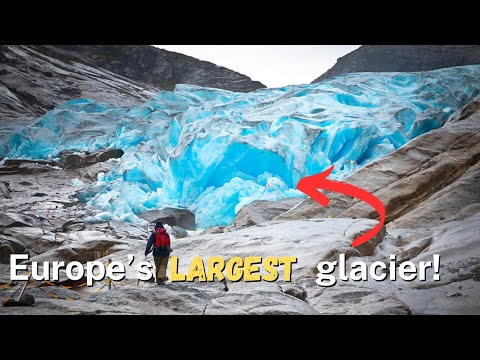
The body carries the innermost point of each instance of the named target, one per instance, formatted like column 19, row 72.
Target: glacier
column 213, row 151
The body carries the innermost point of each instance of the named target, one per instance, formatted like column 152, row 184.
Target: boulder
column 17, row 246
column 179, row 232
column 5, row 252
column 32, row 169
column 294, row 290
column 11, row 219
column 71, row 160
column 8, row 170
column 27, row 167
column 18, row 162
column 72, row 225
column 5, row 190
column 25, row 300
column 216, row 230
column 171, row 216
column 91, row 172
column 74, row 160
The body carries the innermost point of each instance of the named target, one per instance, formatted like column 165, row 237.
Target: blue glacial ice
column 213, row 151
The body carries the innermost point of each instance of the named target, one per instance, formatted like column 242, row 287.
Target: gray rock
column 346, row 299
column 91, row 172
column 62, row 307
column 4, row 190
column 72, row 160
column 294, row 290
column 16, row 245
column 169, row 299
column 35, row 239
column 129, row 231
column 18, row 162
column 27, row 168
column 258, row 302
column 214, row 230
column 457, row 243
column 171, row 216
column 357, row 229
column 11, row 219
column 51, row 292
column 5, row 252
column 260, row 211
column 84, row 246
column 25, row 300
column 379, row 58
column 8, row 170
column 72, row 225
column 179, row 232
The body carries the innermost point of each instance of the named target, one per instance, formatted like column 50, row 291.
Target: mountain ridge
column 165, row 64
column 403, row 58
column 36, row 78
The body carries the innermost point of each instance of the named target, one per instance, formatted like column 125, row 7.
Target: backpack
column 162, row 240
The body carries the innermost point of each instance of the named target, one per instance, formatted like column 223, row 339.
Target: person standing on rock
column 159, row 242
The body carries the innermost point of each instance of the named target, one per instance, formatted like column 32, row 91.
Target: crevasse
column 213, row 151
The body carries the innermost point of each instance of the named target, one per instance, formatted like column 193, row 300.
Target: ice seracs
column 213, row 151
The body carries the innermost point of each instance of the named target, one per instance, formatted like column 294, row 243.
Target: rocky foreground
column 430, row 188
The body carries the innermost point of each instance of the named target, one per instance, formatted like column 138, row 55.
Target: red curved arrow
column 309, row 185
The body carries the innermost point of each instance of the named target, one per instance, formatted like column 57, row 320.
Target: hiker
column 159, row 242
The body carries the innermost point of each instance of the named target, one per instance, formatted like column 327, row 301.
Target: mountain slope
column 385, row 58
column 34, row 79
column 158, row 67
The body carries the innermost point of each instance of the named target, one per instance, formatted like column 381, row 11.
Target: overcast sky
column 273, row 65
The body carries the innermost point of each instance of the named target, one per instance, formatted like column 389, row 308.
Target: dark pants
column 161, row 263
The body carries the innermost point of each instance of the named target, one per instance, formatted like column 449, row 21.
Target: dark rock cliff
column 381, row 58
